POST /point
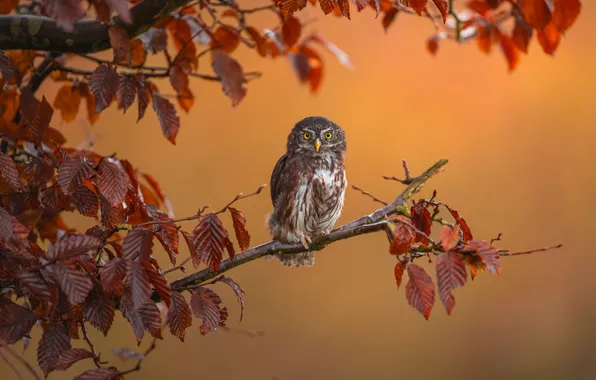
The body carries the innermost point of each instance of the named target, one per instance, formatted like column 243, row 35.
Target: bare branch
column 369, row 195
column 506, row 252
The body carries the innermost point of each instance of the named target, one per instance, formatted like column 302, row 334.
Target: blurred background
column 521, row 149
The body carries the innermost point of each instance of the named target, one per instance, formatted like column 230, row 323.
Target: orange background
column 521, row 150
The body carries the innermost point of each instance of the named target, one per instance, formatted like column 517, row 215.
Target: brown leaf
column 137, row 245
column 488, row 255
column 421, row 219
column 159, row 282
column 99, row 374
column 484, row 39
column 327, row 6
column 99, row 309
column 167, row 116
column 72, row 356
column 166, row 233
column 155, row 40
column 449, row 237
column 41, row 121
column 72, row 172
column 451, row 273
column 111, row 276
column 179, row 79
column 194, row 254
column 127, row 90
column 73, row 245
column 389, row 18
column 398, row 271
column 232, row 77
column 112, row 184
column 5, row 67
column 179, row 317
column 462, row 224
column 104, row 85
column 15, row 322
column 258, row 39
column 402, row 236
column 509, row 51
column 111, row 216
column 86, row 201
column 65, row 12
column 536, row 12
column 9, row 172
column 120, row 45
column 549, row 38
column 290, row 31
column 288, row 7
column 151, row 318
column 143, row 94
column 443, row 7
column 226, row 39
column 522, row 34
column 35, row 283
column 53, row 343
column 5, row 225
column 204, row 303
column 140, row 286
column 209, row 240
column 565, row 14
column 239, row 223
column 238, row 290
column 420, row 290
column 73, row 282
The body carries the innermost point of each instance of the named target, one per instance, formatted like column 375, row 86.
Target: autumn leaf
column 140, row 286
column 65, row 12
column 41, row 122
column 111, row 216
column 104, row 85
column 159, row 282
column 509, row 51
column 565, row 13
column 290, row 31
column 549, row 38
column 111, row 275
column 99, row 311
column 167, row 116
column 449, row 237
column 127, row 90
column 451, row 273
column 73, row 282
column 143, row 95
column 73, row 245
column 35, row 283
column 420, row 290
column 421, row 219
column 536, row 12
column 121, row 7
column 155, row 40
column 86, row 201
column 72, row 172
column 226, row 39
column 239, row 223
column 67, row 101
column 5, row 67
column 232, row 77
column 237, row 290
column 521, row 35
column 98, row 374
column 398, row 271
column 209, row 239
column 205, row 303
column 120, row 44
column 258, row 40
column 15, row 322
column 443, row 7
column 462, row 224
column 112, row 184
column 327, row 6
column 402, row 236
column 288, row 7
column 9, row 172
column 488, row 255
column 165, row 231
column 179, row 317
column 53, row 343
column 72, row 356
column 137, row 245
column 179, row 79
column 389, row 18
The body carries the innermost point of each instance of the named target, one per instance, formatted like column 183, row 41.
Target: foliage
column 64, row 279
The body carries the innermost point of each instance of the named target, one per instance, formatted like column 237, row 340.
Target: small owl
column 308, row 186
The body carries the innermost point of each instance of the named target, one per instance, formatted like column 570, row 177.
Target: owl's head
column 317, row 135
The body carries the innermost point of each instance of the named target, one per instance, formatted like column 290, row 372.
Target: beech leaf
column 420, row 290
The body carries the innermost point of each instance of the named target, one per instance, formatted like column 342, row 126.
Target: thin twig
column 506, row 252
column 181, row 266
column 364, row 192
column 242, row 196
column 408, row 180
column 96, row 358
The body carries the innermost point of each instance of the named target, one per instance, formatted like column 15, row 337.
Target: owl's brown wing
column 276, row 176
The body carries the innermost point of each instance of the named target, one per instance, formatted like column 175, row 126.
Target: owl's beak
column 317, row 145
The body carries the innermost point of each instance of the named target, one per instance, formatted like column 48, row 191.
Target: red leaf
column 290, row 31
column 443, row 7
column 402, row 236
column 65, row 12
column 166, row 233
column 238, row 290
column 127, row 90
column 462, row 224
column 209, row 239
column 389, row 18
column 549, row 38
column 140, row 286
column 132, row 316
column 522, row 34
column 398, row 271
column 9, row 172
column 225, row 38
column 510, row 51
column 43, row 115
column 99, row 311
column 194, row 254
column 239, row 223
column 111, row 276
column 488, row 254
column 143, row 95
column 420, row 290
column 15, row 322
column 5, row 225
column 168, row 117
column 327, row 6
column 137, row 245
column 288, row 7
column 72, row 172
column 120, row 45
column 111, row 216
column 258, row 39
column 536, row 12
column 179, row 79
column 421, row 219
column 112, row 183
column 99, row 374
column 151, row 319
column 159, row 282
column 104, row 85
column 73, row 245
column 231, row 74
column 35, row 283
column 449, row 237
column 71, row 356
column 179, row 316
column 565, row 14
column 451, row 273
column 86, row 201
column 73, row 282
column 53, row 343
column 205, row 305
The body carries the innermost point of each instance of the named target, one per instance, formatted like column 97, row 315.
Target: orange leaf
column 7, row 6
column 290, row 31
column 549, row 38
column 443, row 7
column 536, row 12
column 522, row 34
column 398, row 271
column 138, row 52
column 120, row 44
column 420, row 290
column 258, row 39
column 451, row 273
column 565, row 13
column 510, row 51
column 449, row 237
column 389, row 17
column 288, row 7
column 226, row 39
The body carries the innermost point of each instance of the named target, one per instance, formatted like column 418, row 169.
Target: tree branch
column 364, row 225
column 89, row 36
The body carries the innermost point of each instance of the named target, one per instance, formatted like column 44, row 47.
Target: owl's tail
column 297, row 260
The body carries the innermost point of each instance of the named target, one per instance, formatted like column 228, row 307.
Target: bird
column 308, row 187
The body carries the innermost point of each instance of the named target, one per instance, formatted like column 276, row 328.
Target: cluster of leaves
column 61, row 278
column 409, row 236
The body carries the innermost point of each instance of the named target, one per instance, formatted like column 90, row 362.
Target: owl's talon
column 306, row 242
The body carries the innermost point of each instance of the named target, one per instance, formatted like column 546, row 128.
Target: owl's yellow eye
column 306, row 136
column 328, row 135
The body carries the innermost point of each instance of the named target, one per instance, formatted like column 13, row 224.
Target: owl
column 308, row 185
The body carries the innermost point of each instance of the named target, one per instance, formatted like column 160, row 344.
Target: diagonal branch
column 364, row 225
column 89, row 36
